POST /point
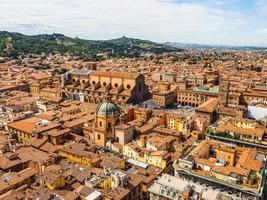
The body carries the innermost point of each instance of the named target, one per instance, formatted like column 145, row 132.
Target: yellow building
column 244, row 123
column 35, row 88
column 30, row 127
column 53, row 177
column 42, row 82
column 51, row 180
column 110, row 161
column 241, row 129
column 157, row 158
column 177, row 123
column 77, row 154
column 50, row 93
column 106, row 183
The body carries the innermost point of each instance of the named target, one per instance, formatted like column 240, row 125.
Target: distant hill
column 14, row 44
column 203, row 46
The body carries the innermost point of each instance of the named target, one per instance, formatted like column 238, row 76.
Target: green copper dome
column 107, row 109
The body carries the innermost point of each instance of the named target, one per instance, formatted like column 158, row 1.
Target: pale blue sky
column 228, row 22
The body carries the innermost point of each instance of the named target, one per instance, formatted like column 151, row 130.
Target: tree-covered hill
column 14, row 44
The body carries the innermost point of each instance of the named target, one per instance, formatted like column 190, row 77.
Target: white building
column 257, row 110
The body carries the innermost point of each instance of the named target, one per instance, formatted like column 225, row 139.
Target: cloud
column 262, row 31
column 262, row 6
column 158, row 20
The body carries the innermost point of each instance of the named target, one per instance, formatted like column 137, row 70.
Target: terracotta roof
column 6, row 162
column 121, row 192
column 115, row 74
column 201, row 150
column 48, row 177
column 228, row 170
column 15, row 178
column 159, row 141
column 57, row 132
column 22, row 126
column 123, row 126
column 32, row 125
column 77, row 149
column 259, row 132
column 248, row 160
column 208, row 106
column 208, row 162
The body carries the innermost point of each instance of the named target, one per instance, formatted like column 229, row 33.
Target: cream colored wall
column 130, row 82
column 104, row 79
column 118, row 81
column 94, row 78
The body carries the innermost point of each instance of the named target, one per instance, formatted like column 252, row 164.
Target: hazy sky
column 230, row 22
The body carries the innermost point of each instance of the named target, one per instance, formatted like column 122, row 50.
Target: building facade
column 91, row 86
